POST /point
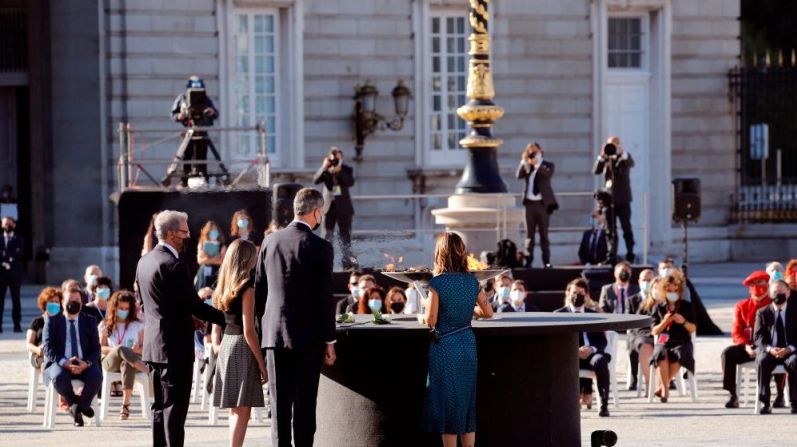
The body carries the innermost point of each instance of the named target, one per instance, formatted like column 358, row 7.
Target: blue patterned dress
column 450, row 401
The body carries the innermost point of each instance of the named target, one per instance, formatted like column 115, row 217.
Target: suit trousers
column 599, row 363
column 537, row 217
column 13, row 281
column 766, row 363
column 623, row 214
column 62, row 381
column 172, row 387
column 293, row 376
column 343, row 220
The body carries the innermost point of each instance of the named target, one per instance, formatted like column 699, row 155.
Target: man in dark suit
column 337, row 179
column 592, row 353
column 615, row 164
column 11, row 246
column 293, row 294
column 538, row 199
column 71, row 346
column 593, row 249
column 517, row 300
column 776, row 343
column 170, row 302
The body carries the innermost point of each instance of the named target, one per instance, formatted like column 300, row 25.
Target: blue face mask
column 103, row 293
column 53, row 309
column 243, row 224
column 355, row 292
column 122, row 314
column 776, row 275
column 375, row 305
column 644, row 286
column 92, row 279
column 213, row 234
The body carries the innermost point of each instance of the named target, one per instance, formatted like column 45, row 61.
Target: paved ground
column 677, row 423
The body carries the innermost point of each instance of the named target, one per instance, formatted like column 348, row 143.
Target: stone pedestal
column 482, row 219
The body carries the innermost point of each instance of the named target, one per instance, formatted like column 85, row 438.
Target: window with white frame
column 255, row 81
column 447, row 83
column 627, row 42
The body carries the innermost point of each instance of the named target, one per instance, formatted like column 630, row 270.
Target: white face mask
column 664, row 272
column 517, row 297
column 672, row 297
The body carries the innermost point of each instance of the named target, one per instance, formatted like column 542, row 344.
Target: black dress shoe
column 672, row 385
column 630, row 257
column 604, row 413
column 765, row 410
column 632, row 387
column 794, row 409
column 779, row 402
column 17, row 329
column 76, row 415
column 88, row 411
column 733, row 402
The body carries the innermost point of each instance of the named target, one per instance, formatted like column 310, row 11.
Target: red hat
column 758, row 275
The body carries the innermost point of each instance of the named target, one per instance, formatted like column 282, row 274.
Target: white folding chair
column 611, row 349
column 34, row 377
column 197, row 376
column 51, row 402
column 741, row 379
column 141, row 386
column 206, row 378
column 780, row 369
column 680, row 382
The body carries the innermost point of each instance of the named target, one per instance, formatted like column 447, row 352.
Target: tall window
column 626, row 42
column 255, row 80
column 449, row 76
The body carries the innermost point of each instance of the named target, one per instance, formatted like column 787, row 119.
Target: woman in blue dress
column 454, row 298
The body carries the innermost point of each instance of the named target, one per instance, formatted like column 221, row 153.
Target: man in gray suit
column 337, row 178
column 538, row 199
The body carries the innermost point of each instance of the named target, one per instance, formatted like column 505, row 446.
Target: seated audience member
column 592, row 347
column 241, row 226
column 395, row 301
column 640, row 340
column 89, row 280
column 517, row 300
column 372, row 299
column 354, row 295
column 72, row 351
column 209, row 254
column 776, row 343
column 49, row 302
column 743, row 348
column 790, row 274
column 774, row 270
column 502, row 290
column 614, row 299
column 121, row 341
column 593, row 249
column 488, row 287
column 100, row 292
column 673, row 324
column 363, row 284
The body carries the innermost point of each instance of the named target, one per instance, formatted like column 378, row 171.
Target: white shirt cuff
column 791, row 347
column 62, row 362
column 332, row 342
column 769, row 348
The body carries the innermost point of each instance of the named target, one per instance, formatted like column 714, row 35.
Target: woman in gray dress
column 240, row 368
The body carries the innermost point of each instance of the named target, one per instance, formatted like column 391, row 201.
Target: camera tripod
column 195, row 138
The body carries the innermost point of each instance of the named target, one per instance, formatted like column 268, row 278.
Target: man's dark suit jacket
column 344, row 179
column 620, row 170
column 765, row 323
column 293, row 289
column 54, row 339
column 170, row 300
column 12, row 253
column 608, row 298
column 507, row 307
column 543, row 180
column 596, row 339
column 585, row 252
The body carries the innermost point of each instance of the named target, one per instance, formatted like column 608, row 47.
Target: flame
column 474, row 264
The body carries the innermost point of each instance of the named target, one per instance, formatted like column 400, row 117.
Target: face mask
column 759, row 290
column 672, row 297
column 73, row 307
column 91, row 280
column 317, row 223
column 213, row 234
column 375, row 305
column 517, row 297
column 122, row 314
column 776, row 275
column 397, row 306
column 578, row 299
column 779, row 299
column 8, row 228
column 503, row 292
column 624, row 276
column 209, row 301
column 53, row 309
column 664, row 272
column 243, row 224
column 644, row 286
column 355, row 292
column 103, row 293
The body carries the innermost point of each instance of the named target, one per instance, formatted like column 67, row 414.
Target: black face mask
column 624, row 276
column 397, row 307
column 779, row 299
column 578, row 299
column 73, row 307
column 8, row 228
column 317, row 224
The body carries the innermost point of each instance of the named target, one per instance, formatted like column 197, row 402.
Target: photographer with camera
column 615, row 164
column 192, row 108
column 538, row 199
column 337, row 178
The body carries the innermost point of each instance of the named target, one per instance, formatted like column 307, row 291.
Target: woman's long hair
column 450, row 254
column 788, row 274
column 674, row 277
column 235, row 272
column 240, row 214
column 150, row 239
column 121, row 296
column 362, row 303
column 204, row 234
column 650, row 302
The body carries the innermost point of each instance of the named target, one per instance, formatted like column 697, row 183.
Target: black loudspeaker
column 284, row 193
column 686, row 199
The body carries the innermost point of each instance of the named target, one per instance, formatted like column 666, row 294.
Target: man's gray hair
column 168, row 220
column 307, row 200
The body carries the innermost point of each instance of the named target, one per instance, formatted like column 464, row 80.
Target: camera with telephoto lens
column 333, row 160
column 610, row 150
column 195, row 106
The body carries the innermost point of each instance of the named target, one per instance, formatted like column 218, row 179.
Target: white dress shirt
column 171, row 249
column 530, row 188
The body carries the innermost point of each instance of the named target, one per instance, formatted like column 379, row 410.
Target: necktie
column 594, row 245
column 73, row 336
column 535, row 189
column 622, row 300
column 780, row 331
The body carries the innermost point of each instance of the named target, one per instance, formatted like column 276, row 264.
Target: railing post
column 123, row 160
column 266, row 163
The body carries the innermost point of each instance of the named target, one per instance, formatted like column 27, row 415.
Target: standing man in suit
column 71, row 346
column 592, row 353
column 170, row 302
column 337, row 178
column 11, row 272
column 776, row 342
column 293, row 294
column 593, row 249
column 538, row 199
column 615, row 164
